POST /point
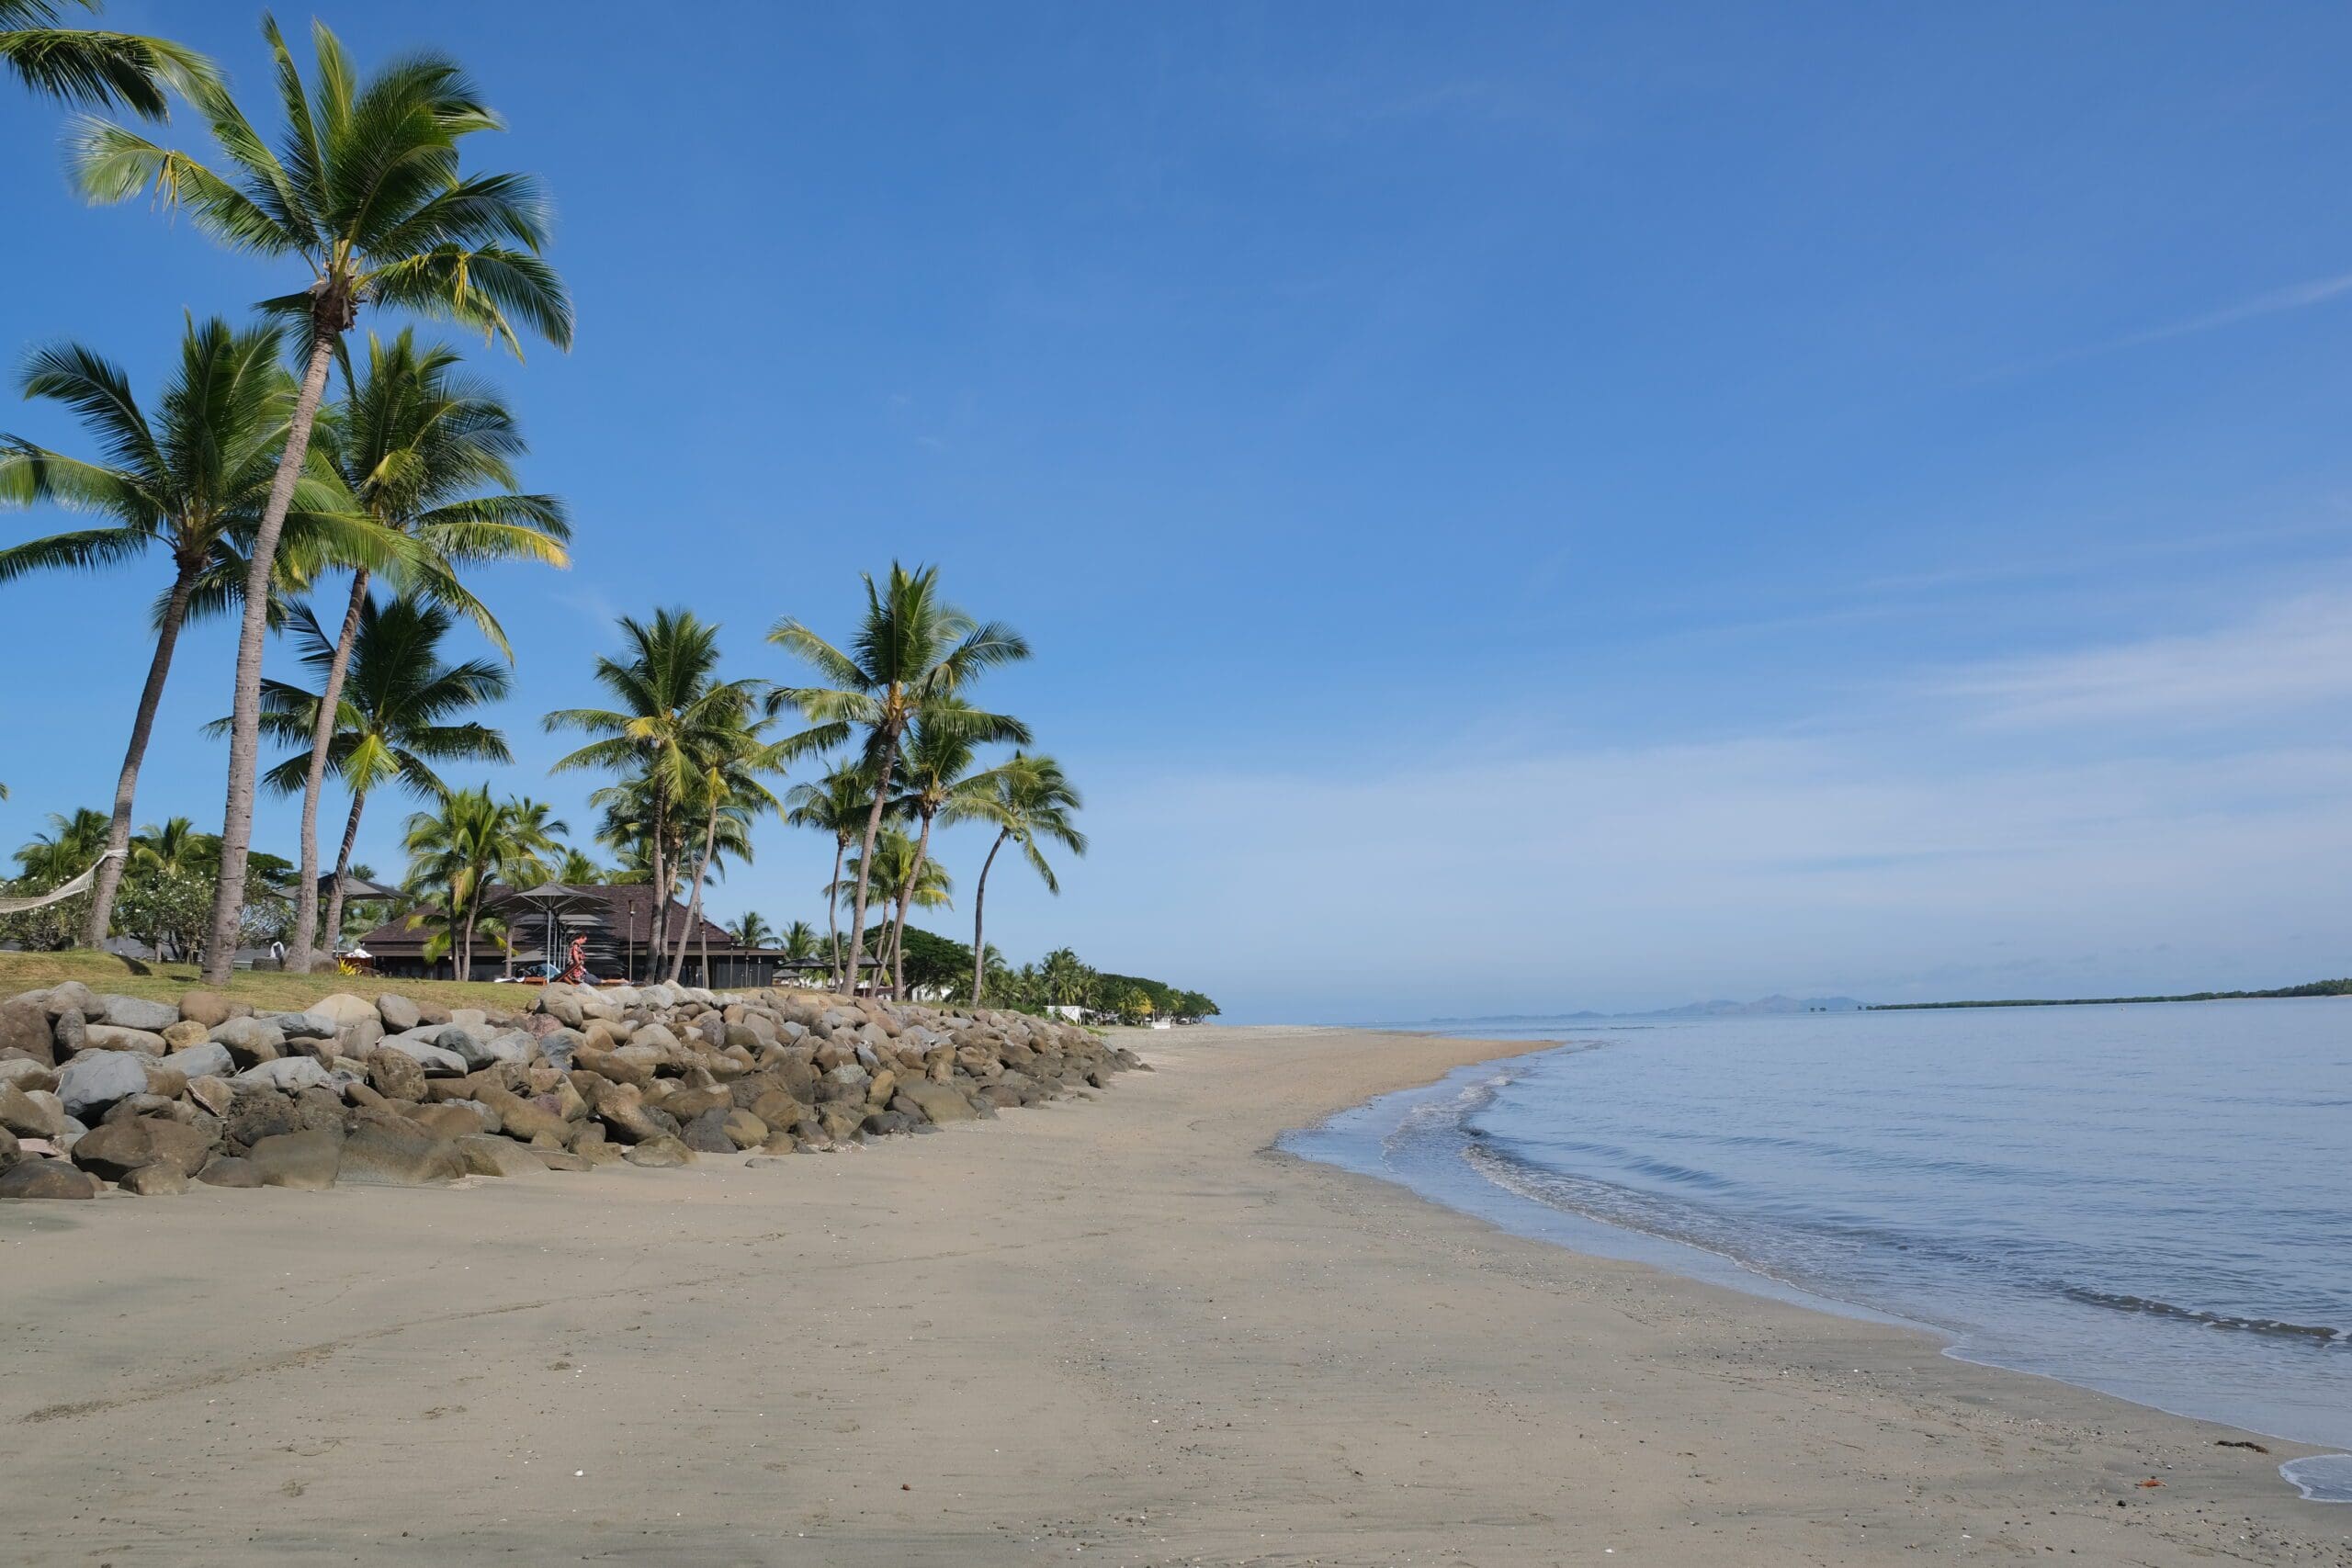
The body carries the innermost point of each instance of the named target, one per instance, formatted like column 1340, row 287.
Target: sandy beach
column 1122, row 1330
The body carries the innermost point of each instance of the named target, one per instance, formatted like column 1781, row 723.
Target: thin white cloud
column 2289, row 655
column 2294, row 297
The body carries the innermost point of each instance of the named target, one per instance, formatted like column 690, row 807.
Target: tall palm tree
column 938, row 769
column 173, row 845
column 912, row 653
column 893, row 872
column 96, row 69
column 192, row 479
column 365, row 189
column 1067, row 981
column 751, row 929
column 1027, row 799
column 836, row 803
column 414, row 443
column 798, row 942
column 471, row 842
column 671, row 704
column 730, row 757
column 395, row 718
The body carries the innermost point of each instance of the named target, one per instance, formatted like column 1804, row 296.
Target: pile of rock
column 153, row 1095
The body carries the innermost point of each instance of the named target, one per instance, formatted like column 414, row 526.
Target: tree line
column 284, row 452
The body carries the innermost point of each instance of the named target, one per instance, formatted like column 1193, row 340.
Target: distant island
column 2312, row 989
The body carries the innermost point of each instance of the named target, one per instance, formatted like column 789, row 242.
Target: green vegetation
column 2312, row 989
column 260, row 483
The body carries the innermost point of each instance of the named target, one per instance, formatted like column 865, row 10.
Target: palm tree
column 394, row 720
column 98, row 70
column 577, row 868
column 66, row 850
column 414, row 444
column 173, row 846
column 1027, row 799
column 729, row 756
column 751, row 929
column 798, row 942
column 192, row 480
column 913, row 652
column 938, row 770
column 366, row 191
column 836, row 804
column 671, row 704
column 1067, row 981
column 470, row 844
column 892, row 871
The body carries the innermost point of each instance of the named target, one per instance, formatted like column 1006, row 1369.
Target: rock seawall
column 148, row 1097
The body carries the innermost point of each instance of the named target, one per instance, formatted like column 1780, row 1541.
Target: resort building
column 617, row 923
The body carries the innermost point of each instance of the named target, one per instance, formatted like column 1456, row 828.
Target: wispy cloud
column 2295, row 297
column 2289, row 655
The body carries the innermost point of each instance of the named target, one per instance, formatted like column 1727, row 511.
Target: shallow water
column 2152, row 1200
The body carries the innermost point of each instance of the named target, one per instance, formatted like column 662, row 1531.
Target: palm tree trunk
column 980, row 903
column 305, row 894
column 244, row 717
column 693, row 909
column 906, row 899
column 833, row 914
column 126, row 784
column 865, row 861
column 658, row 945
column 341, row 868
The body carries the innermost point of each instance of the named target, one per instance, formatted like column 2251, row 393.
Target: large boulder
column 136, row 1013
column 287, row 1073
column 744, row 1130
column 391, row 1151
column 185, row 1033
column 228, row 1170
column 938, row 1101
column 204, row 1059
column 706, row 1134
column 46, row 1178
column 251, row 1040
column 395, row 1073
column 157, row 1180
column 419, row 1046
column 661, row 1154
column 70, row 997
column 119, row 1037
column 94, row 1080
column 307, row 1160
column 623, row 1111
column 482, row 1047
column 399, row 1014
column 210, row 1009
column 562, row 1004
column 344, row 1008
column 487, row 1155
column 36, row 1114
column 527, row 1118
column 24, row 1027
column 305, row 1025
column 118, row 1148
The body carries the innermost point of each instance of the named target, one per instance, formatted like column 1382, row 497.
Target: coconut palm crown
column 97, row 69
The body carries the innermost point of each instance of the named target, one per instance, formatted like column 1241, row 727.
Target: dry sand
column 1121, row 1331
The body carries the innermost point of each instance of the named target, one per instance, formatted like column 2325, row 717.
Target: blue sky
column 1519, row 508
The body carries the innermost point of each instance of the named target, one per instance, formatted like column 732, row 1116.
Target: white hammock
column 58, row 895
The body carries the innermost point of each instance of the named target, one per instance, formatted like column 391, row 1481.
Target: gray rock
column 94, row 1080
column 206, row 1060
column 479, row 1050
column 395, row 1073
column 306, row 1160
column 287, row 1073
column 358, row 1039
column 136, row 1013
column 70, row 997
column 706, row 1134
column 46, row 1178
column 304, row 1025
column 937, row 1101
column 117, row 1149
column 418, row 1046
column 562, row 1004
column 398, row 1013
column 344, row 1008
column 66, row 1032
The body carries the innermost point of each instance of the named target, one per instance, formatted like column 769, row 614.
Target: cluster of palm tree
column 248, row 473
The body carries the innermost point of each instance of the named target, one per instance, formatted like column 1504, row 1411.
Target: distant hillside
column 1769, row 1005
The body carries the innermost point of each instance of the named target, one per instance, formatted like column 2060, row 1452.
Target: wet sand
column 1124, row 1330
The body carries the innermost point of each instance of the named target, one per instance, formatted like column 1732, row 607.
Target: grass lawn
column 266, row 992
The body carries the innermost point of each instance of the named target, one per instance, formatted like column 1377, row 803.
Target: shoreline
column 1129, row 1325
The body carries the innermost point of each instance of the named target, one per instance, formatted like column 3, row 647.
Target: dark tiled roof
column 627, row 910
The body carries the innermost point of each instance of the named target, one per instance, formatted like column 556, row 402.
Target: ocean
column 2154, row 1200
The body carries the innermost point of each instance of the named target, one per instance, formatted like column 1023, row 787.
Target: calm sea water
column 2154, row 1200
